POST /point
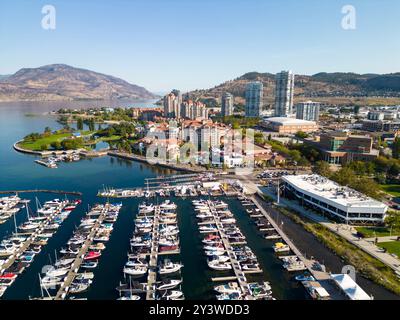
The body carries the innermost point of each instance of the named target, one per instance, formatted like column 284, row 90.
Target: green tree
column 79, row 124
column 322, row 168
column 396, row 148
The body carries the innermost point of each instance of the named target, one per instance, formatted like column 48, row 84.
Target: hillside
column 63, row 82
column 335, row 88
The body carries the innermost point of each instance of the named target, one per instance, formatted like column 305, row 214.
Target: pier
column 240, row 276
column 73, row 193
column 63, row 290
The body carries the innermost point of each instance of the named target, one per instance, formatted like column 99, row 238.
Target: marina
column 9, row 206
column 83, row 252
column 156, row 234
column 19, row 250
column 225, row 247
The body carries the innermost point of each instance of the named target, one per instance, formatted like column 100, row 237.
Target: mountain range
column 63, row 82
column 336, row 87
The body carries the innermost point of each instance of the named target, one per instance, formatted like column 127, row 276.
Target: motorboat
column 216, row 265
column 136, row 270
column 260, row 290
column 169, row 267
column 230, row 296
column 171, row 295
column 92, row 255
column 305, row 277
column 129, row 297
column 169, row 284
column 89, row 264
column 231, row 287
column 281, row 247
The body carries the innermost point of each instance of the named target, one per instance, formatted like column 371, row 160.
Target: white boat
column 172, row 294
column 216, row 265
column 136, row 270
column 130, row 297
column 231, row 287
column 169, row 284
column 54, row 273
column 170, row 267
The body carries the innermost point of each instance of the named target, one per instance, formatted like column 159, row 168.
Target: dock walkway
column 63, row 291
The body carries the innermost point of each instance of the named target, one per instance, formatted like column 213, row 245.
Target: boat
column 129, row 297
column 135, row 270
column 231, row 287
column 281, row 247
column 260, row 290
column 169, row 284
column 92, row 255
column 89, row 264
column 216, row 265
column 171, row 295
column 8, row 275
column 304, row 277
column 229, row 296
column 169, row 267
column 55, row 273
column 79, row 287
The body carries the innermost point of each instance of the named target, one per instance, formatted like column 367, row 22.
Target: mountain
column 4, row 76
column 339, row 87
column 63, row 82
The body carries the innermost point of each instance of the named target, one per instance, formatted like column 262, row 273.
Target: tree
column 44, row 147
column 301, row 135
column 79, row 124
column 322, row 168
column 345, row 176
column 396, row 148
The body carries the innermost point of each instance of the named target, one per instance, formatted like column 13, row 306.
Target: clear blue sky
column 188, row 44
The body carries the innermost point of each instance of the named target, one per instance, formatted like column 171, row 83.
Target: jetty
column 73, row 193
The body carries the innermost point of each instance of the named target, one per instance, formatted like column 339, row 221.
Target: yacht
column 231, row 287
column 216, row 265
column 169, row 267
column 135, row 270
column 229, row 296
column 90, row 264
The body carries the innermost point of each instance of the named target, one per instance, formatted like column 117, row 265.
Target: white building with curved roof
column 289, row 125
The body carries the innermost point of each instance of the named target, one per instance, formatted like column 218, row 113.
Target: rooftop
column 330, row 190
column 290, row 121
column 352, row 290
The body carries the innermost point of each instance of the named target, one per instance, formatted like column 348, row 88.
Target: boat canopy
column 352, row 290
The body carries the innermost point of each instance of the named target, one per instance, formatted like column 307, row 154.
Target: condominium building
column 308, row 111
column 227, row 104
column 172, row 104
column 194, row 110
column 284, row 87
column 254, row 96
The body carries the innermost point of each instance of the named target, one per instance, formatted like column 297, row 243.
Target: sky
column 194, row 44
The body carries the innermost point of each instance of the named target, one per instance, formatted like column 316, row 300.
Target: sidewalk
column 343, row 230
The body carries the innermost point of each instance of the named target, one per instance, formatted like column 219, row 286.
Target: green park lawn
column 370, row 232
column 36, row 145
column 392, row 189
column 391, row 247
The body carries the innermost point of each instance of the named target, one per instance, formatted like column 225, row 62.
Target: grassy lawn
column 370, row 232
column 391, row 247
column 392, row 189
column 36, row 145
